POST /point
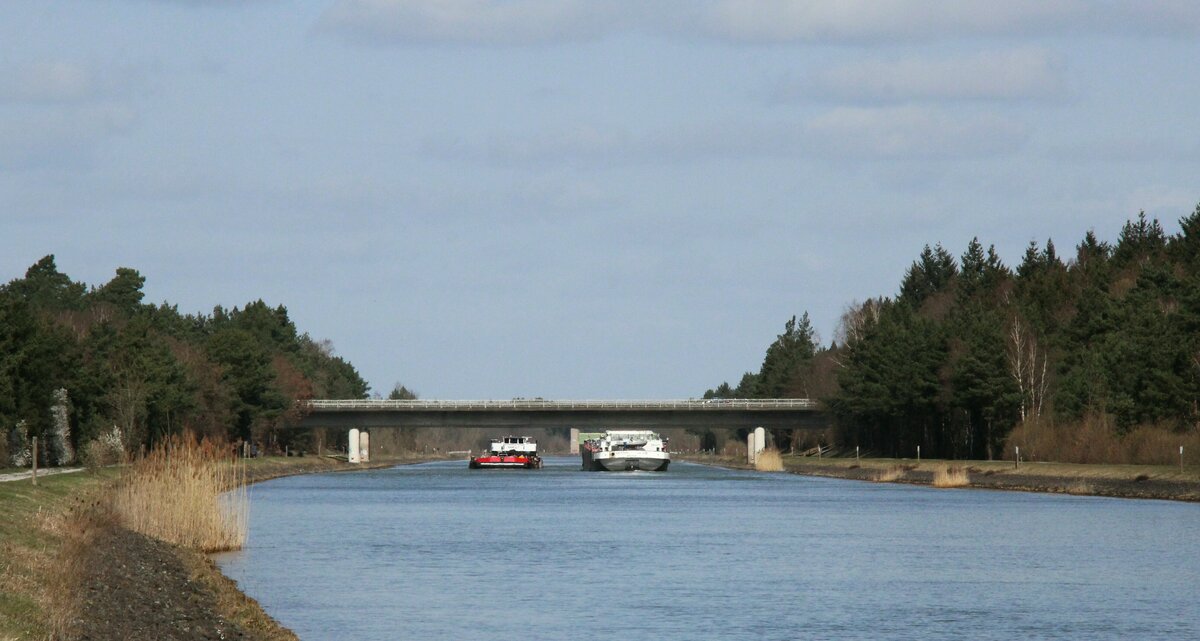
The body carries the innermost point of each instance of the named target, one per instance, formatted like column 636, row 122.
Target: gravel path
column 17, row 476
column 136, row 587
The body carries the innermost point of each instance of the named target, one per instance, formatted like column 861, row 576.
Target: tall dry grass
column 951, row 477
column 1095, row 439
column 890, row 475
column 188, row 493
column 769, row 460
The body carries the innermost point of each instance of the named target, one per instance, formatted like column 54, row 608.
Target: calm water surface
column 437, row 551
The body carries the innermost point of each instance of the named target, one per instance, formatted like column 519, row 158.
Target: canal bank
column 1117, row 481
column 68, row 570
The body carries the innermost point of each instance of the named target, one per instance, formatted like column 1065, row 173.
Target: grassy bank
column 53, row 537
column 1125, row 481
column 34, row 530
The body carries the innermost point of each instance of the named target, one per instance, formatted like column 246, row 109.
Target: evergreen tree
column 933, row 272
column 791, row 350
column 401, row 393
column 123, row 292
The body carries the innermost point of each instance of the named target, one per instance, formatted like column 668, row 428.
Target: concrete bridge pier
column 358, row 446
column 574, row 448
column 756, row 442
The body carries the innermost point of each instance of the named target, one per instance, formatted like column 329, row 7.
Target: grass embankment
column 1125, row 481
column 35, row 523
column 69, row 530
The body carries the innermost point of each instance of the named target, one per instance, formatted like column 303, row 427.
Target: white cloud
column 1157, row 17
column 867, row 22
column 489, row 22
column 46, row 82
column 591, row 145
column 59, row 137
column 1001, row 75
column 1184, row 149
column 872, row 20
column 1168, row 203
column 912, row 132
column 860, row 133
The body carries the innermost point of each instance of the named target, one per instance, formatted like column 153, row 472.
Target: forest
column 89, row 370
column 1092, row 356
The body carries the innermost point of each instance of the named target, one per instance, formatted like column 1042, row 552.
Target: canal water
column 437, row 551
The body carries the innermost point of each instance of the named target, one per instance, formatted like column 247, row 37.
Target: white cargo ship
column 623, row 450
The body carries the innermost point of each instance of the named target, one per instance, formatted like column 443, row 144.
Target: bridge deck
column 589, row 414
column 537, row 404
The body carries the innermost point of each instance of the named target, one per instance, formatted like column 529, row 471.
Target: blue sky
column 576, row 199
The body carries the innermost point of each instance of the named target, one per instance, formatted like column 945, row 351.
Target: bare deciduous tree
column 854, row 322
column 1027, row 364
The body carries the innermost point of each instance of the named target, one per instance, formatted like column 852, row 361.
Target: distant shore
column 1119, row 481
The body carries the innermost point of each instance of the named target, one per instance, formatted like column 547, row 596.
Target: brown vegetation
column 1095, row 439
column 185, row 492
column 951, row 477
column 890, row 475
column 768, row 460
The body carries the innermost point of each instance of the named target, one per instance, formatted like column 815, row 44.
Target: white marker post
column 856, row 454
column 1017, row 462
column 918, row 454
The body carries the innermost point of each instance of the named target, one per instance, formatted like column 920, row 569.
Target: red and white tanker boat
column 509, row 452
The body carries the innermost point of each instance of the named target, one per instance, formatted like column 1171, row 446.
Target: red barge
column 509, row 452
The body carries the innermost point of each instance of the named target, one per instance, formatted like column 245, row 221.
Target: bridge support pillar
column 574, row 440
column 353, row 453
column 364, row 446
column 756, row 442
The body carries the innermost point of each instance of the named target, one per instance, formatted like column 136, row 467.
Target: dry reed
column 78, row 529
column 890, row 475
column 951, row 477
column 769, row 460
column 1081, row 488
column 188, row 493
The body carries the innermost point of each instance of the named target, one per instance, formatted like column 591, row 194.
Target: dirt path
column 17, row 476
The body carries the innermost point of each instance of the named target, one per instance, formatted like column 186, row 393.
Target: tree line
column 972, row 355
column 82, row 364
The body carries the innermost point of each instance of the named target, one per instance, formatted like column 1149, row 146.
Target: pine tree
column 791, row 350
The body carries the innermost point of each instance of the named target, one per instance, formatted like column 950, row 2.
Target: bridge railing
column 715, row 404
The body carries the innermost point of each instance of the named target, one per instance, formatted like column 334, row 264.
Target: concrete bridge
column 783, row 413
column 362, row 415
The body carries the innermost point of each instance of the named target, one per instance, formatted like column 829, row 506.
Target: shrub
column 768, row 460
column 951, row 477
column 1095, row 439
column 103, row 451
column 890, row 475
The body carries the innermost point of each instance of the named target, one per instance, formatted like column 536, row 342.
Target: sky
column 577, row 198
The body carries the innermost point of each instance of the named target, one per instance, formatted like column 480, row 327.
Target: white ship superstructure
column 622, row 450
column 509, row 452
